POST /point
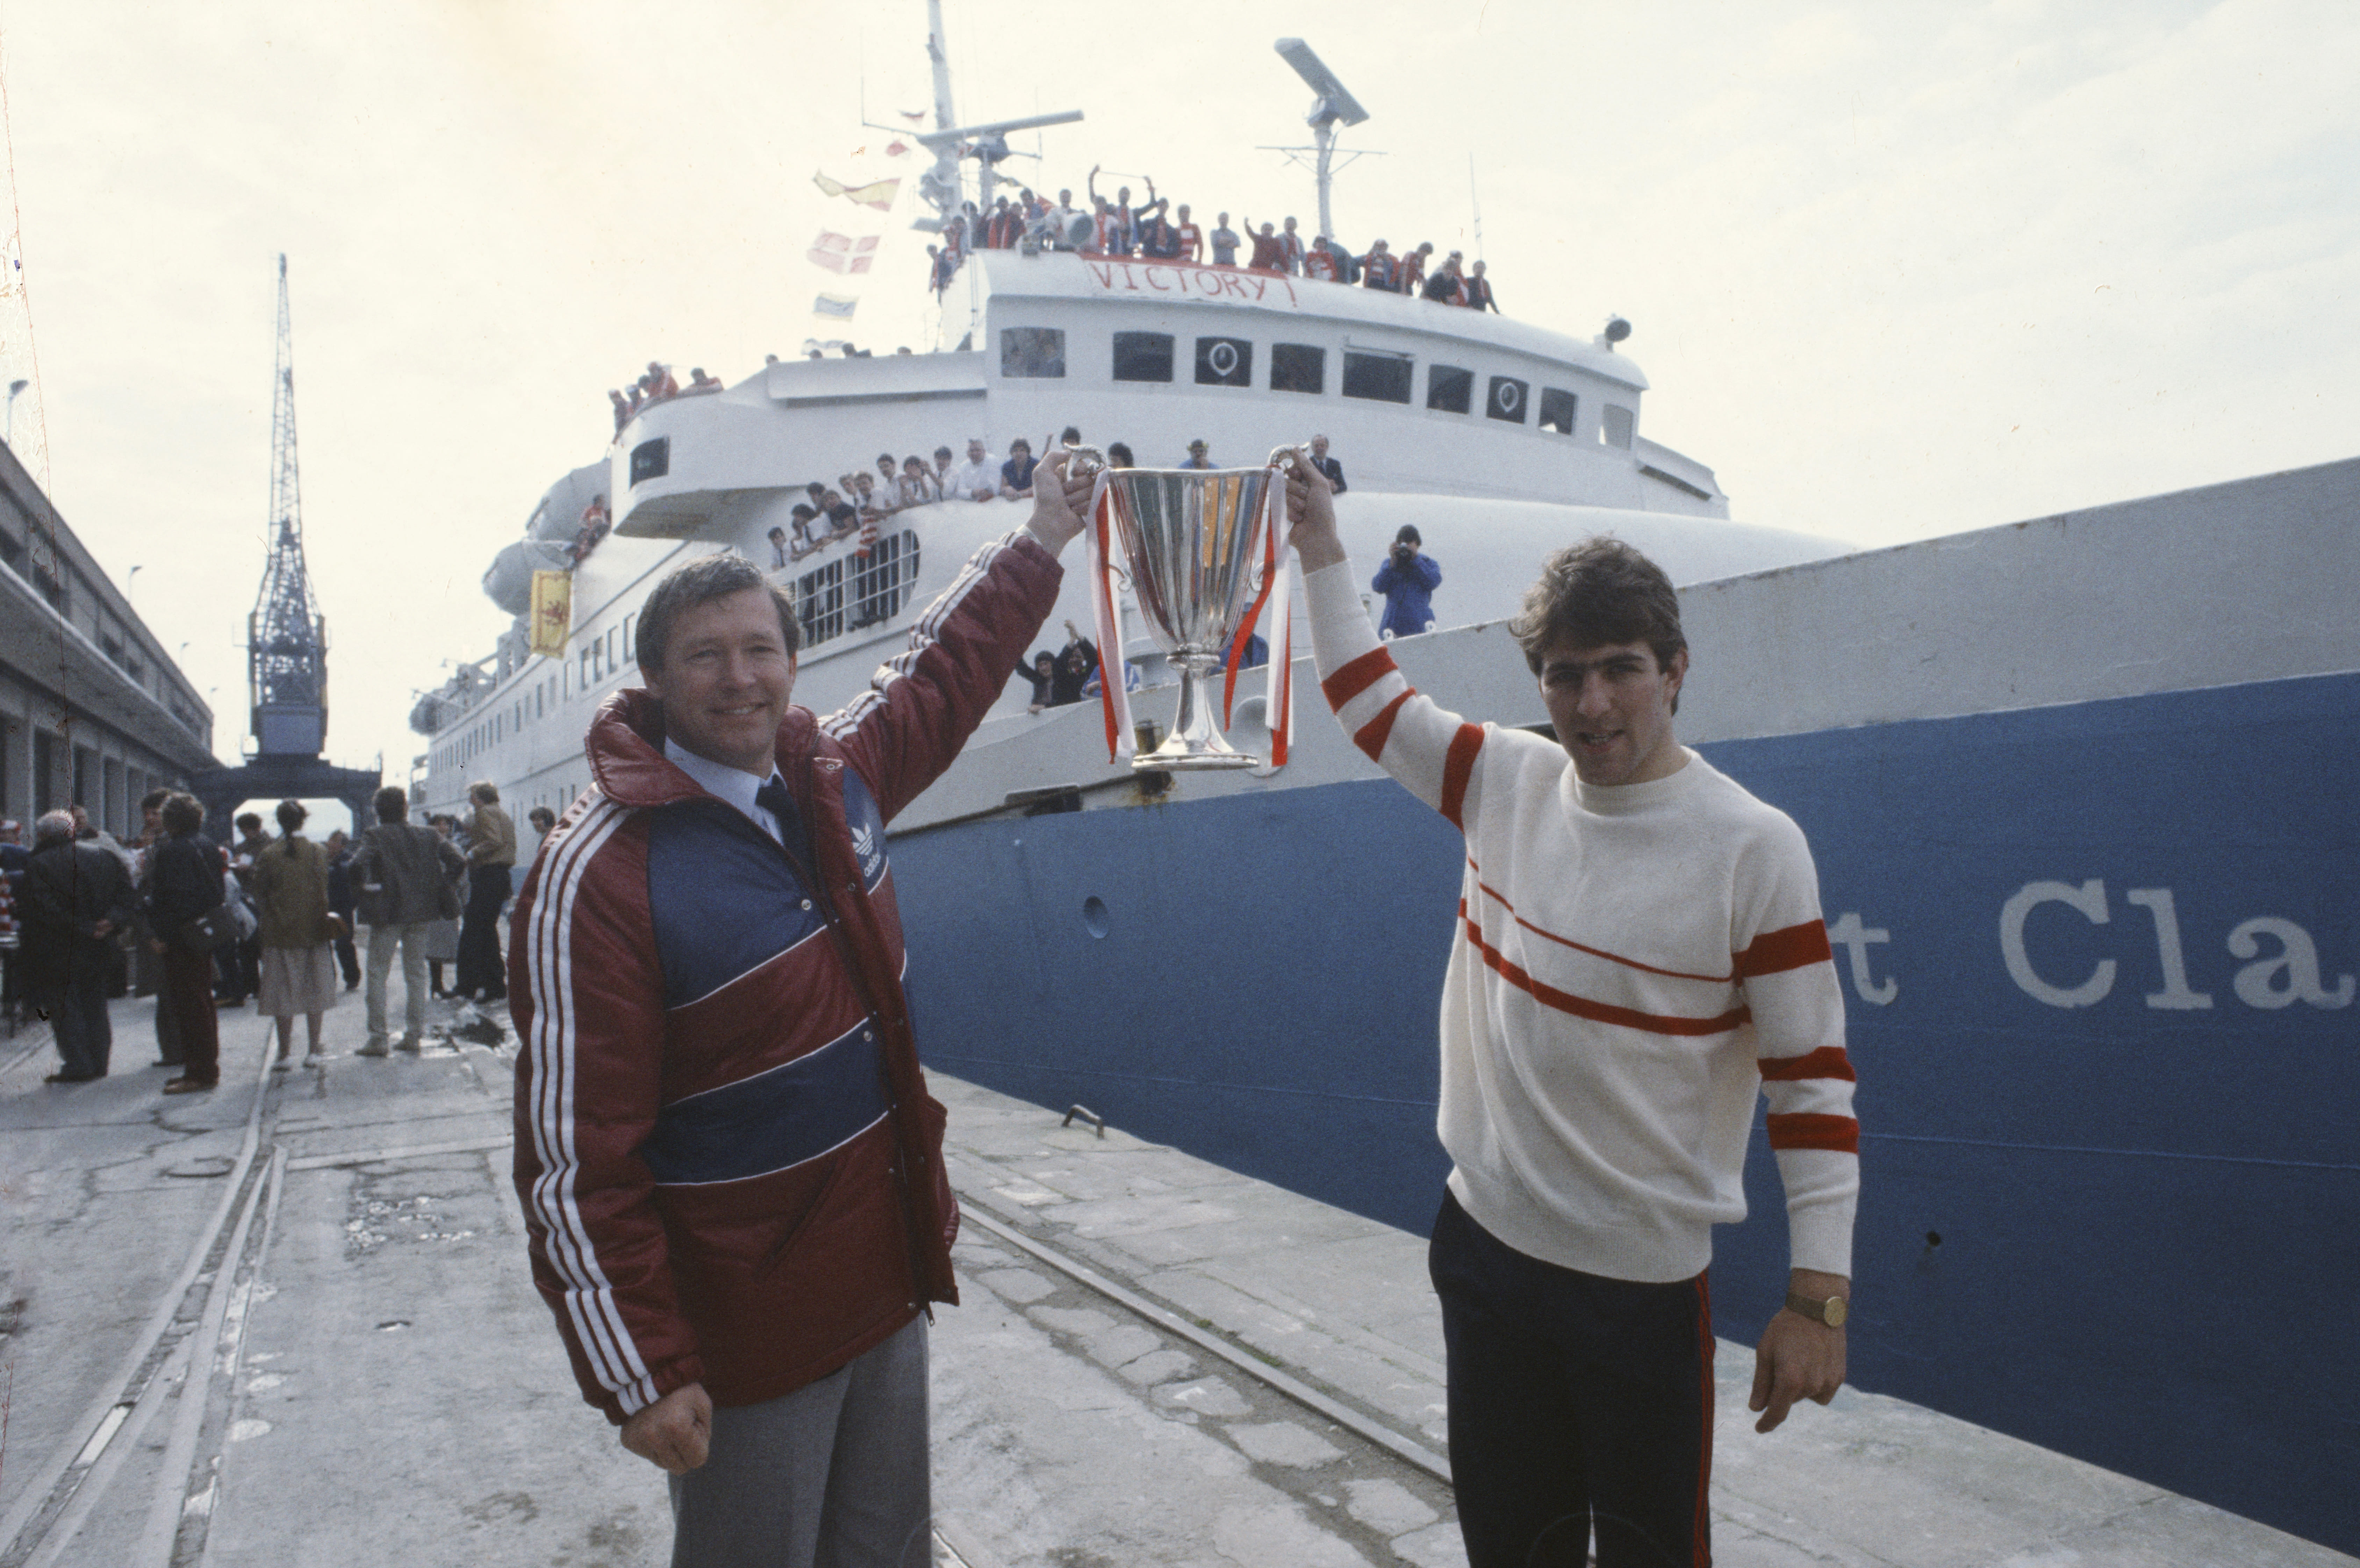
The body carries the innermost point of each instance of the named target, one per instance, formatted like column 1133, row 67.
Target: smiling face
column 1611, row 705
column 725, row 680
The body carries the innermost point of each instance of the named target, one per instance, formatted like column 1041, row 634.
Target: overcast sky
column 1894, row 269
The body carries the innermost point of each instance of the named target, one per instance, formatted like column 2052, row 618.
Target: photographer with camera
column 1407, row 579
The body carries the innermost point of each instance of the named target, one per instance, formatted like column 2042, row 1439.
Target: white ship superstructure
column 1498, row 439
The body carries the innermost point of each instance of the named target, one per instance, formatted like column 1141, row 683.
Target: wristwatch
column 1831, row 1311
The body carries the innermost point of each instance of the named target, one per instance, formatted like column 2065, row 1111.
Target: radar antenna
column 287, row 638
column 1333, row 103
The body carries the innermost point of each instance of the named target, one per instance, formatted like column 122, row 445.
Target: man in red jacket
column 730, row 1169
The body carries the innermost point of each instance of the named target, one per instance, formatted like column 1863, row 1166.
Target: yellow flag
column 552, row 611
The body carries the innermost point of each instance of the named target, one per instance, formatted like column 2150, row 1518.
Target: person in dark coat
column 1075, row 665
column 185, row 884
column 74, row 897
column 340, row 904
column 1407, row 579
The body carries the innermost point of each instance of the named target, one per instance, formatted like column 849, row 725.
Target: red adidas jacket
column 730, row 1169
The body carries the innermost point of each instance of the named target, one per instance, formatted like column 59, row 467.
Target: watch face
column 1838, row 1310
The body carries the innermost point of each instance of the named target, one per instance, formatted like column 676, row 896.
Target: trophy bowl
column 1193, row 542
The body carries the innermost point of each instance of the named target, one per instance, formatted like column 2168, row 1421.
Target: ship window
column 1031, row 351
column 1297, row 367
column 1619, row 423
column 1508, row 398
column 627, row 628
column 650, row 460
column 1557, row 410
column 846, row 595
column 1382, row 377
column 1450, row 388
column 1226, row 362
column 1142, row 357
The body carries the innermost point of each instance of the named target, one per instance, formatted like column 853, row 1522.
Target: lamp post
column 14, row 388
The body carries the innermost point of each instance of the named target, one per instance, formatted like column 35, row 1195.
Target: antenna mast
column 1333, row 103
column 287, row 639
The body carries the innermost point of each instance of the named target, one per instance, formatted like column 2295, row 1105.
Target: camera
column 1403, row 553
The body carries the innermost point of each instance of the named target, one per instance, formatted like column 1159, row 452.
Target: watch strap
column 1832, row 1310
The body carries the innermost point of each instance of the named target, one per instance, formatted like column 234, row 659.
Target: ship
column 2079, row 789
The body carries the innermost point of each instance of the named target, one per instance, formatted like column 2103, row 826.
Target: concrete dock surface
column 290, row 1322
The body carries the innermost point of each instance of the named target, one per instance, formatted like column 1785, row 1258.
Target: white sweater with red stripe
column 1632, row 966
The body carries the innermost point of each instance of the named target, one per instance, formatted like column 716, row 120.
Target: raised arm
column 922, row 705
column 1431, row 751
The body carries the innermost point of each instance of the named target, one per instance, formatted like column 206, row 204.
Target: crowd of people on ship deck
column 1158, row 230
column 862, row 499
column 654, row 385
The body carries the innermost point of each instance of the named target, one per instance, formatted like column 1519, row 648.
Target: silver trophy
column 1192, row 540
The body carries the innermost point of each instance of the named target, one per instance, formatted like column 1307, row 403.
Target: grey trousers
column 832, row 1475
column 384, row 941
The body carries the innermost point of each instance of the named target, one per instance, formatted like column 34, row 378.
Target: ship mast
column 949, row 141
column 287, row 638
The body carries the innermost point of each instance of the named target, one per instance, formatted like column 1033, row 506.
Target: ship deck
column 1157, row 1360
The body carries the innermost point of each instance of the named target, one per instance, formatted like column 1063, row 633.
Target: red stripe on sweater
column 1790, row 948
column 1583, row 947
column 1357, row 677
column 1599, row 1012
column 1828, row 1061
column 1803, row 1130
column 1372, row 735
column 1455, row 769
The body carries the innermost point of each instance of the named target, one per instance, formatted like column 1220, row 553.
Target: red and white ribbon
column 1097, row 526
column 1278, row 706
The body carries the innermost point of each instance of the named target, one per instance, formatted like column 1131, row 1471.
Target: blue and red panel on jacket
column 724, row 898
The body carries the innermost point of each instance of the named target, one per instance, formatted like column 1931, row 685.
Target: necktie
column 773, row 797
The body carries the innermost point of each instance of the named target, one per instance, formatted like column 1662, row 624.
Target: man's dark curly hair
column 1598, row 592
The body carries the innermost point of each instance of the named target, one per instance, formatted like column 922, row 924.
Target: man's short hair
column 942, row 451
column 700, row 583
column 183, row 814
column 246, row 822
column 1599, row 592
column 53, row 826
column 484, row 793
column 392, row 804
column 153, row 800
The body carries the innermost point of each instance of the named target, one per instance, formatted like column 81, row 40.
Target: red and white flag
column 842, row 253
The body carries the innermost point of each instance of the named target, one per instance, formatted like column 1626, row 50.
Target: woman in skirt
column 443, row 936
column 298, row 952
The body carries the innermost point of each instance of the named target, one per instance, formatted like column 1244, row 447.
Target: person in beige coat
column 491, row 853
column 298, row 935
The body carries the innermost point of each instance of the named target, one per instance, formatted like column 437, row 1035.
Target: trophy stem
column 1195, row 741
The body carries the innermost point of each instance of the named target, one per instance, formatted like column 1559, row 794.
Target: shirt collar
column 734, row 785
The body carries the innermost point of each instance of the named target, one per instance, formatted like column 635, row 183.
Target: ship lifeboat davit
column 508, row 583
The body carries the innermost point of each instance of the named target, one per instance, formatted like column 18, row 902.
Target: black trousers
column 1576, row 1402
column 480, row 964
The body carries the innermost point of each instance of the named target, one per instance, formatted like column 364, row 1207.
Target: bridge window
column 1382, row 377
column 1557, row 410
column 1619, row 423
column 1224, row 362
column 1450, row 388
column 1508, row 398
column 1297, row 367
column 650, row 460
column 1142, row 357
column 1031, row 352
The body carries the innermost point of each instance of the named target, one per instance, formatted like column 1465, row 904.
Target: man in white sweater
column 1639, row 953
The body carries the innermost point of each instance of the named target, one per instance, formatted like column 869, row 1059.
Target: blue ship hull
column 2111, row 1189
